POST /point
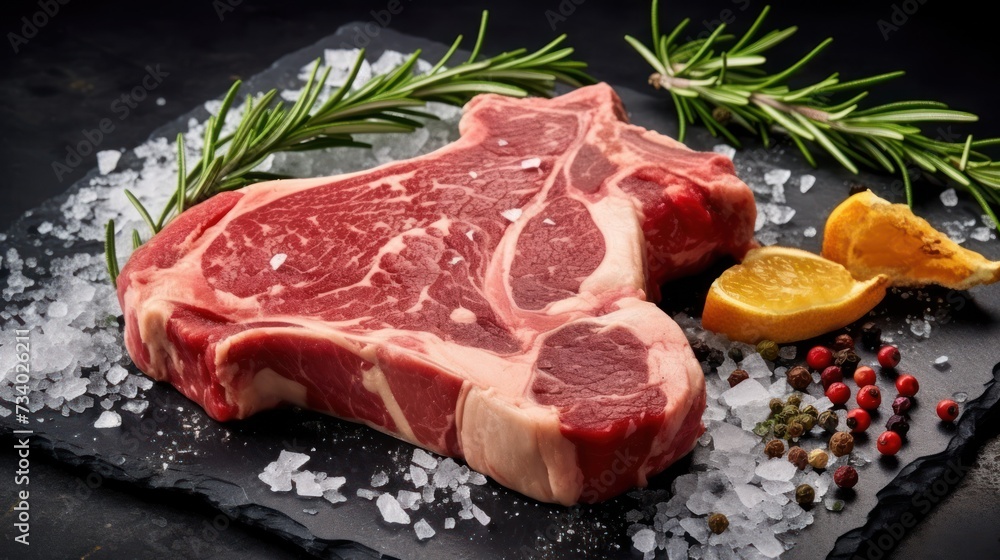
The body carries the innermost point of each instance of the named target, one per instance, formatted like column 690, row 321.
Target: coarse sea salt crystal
column 777, row 176
column 806, row 182
column 760, row 221
column 108, row 419
column 449, row 522
column 418, row 476
column 107, row 160
column 777, row 469
column 981, row 234
column 745, row 392
column 116, row 374
column 380, row 479
column 480, row 515
column 809, row 232
column 644, row 540
column 423, row 529
column 407, row 499
column 725, row 149
column 366, row 493
column 278, row 260
column 306, row 485
column 531, row 163
column 137, row 406
column 391, row 511
column 424, row 459
column 289, row 461
column 512, row 214
column 949, row 197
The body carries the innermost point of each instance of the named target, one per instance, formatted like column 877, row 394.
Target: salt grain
column 777, row 176
column 379, row 479
column 391, row 511
column 806, row 182
column 725, row 149
column 423, row 529
column 108, row 419
column 809, row 232
column 949, row 197
column 107, row 161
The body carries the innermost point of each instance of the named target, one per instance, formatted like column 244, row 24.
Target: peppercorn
column 871, row 336
column 774, row 448
column 738, row 376
column 847, row 360
column 901, row 404
column 795, row 400
column 768, row 349
column 804, row 494
column 845, row 476
column 715, row 357
column 828, row 421
column 907, row 385
column 838, row 393
column 869, row 397
column 700, row 349
column 843, row 342
column 798, row 457
column 818, row 459
column 807, row 421
column 863, row 376
column 790, row 410
column 841, row 443
column 888, row 356
column 779, row 429
column 947, row 410
column 858, row 420
column 811, row 411
column 718, row 523
column 794, row 429
column 819, row 357
column 889, row 443
column 735, row 354
column 830, row 376
column 799, row 378
column 897, row 423
column 776, row 405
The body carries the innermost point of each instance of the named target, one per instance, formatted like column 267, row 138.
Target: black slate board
column 220, row 462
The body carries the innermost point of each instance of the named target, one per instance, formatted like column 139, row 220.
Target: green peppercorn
column 811, row 411
column 794, row 429
column 718, row 523
column 774, row 448
column 799, row 378
column 798, row 457
column 828, row 421
column 804, row 494
column 818, row 459
column 722, row 115
column 807, row 421
column 779, row 430
column 768, row 349
column 794, row 399
column 841, row 443
column 776, row 405
column 735, row 354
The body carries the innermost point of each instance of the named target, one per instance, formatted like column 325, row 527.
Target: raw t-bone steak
column 490, row 300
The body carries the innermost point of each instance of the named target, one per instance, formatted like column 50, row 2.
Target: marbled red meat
column 492, row 300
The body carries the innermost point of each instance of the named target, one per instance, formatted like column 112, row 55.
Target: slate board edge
column 891, row 500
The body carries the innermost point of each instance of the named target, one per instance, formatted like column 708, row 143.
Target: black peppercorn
column 871, row 336
column 843, row 342
column 897, row 423
column 718, row 523
column 798, row 457
column 799, row 378
column 715, row 357
column 774, row 448
column 735, row 354
column 700, row 349
column 737, row 376
column 847, row 360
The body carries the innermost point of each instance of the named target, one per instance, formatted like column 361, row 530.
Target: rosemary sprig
column 720, row 80
column 387, row 103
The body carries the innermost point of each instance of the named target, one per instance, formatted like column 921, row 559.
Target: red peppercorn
column 864, row 375
column 888, row 356
column 838, row 393
column 889, row 443
column 845, row 476
column 907, row 385
column 869, row 397
column 830, row 375
column 819, row 357
column 947, row 409
column 858, row 420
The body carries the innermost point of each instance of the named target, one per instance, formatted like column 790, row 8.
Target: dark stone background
column 64, row 79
